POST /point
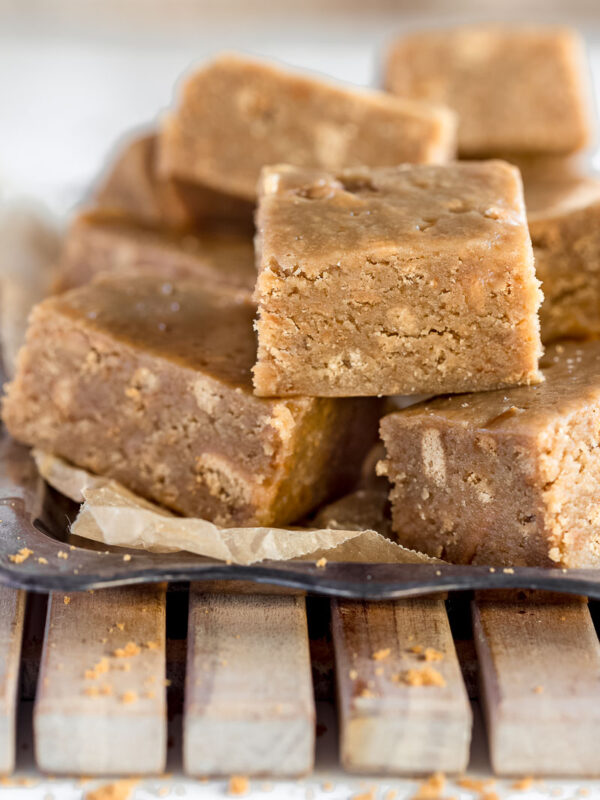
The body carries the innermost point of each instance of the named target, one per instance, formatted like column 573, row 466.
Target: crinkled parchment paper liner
column 115, row 516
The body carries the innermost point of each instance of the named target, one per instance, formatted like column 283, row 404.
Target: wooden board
column 99, row 711
column 12, row 614
column 249, row 705
column 540, row 671
column 386, row 724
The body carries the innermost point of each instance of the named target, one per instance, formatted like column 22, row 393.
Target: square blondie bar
column 416, row 279
column 515, row 88
column 149, row 383
column 238, row 114
column 507, row 477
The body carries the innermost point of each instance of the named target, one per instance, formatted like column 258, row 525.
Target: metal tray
column 36, row 517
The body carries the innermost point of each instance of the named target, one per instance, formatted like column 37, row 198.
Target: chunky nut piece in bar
column 516, row 89
column 399, row 280
column 507, row 477
column 99, row 243
column 237, row 115
column 563, row 212
column 149, row 383
column 133, row 188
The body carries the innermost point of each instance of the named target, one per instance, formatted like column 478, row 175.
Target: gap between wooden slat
column 12, row 615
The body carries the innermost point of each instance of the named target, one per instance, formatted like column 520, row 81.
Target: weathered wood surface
column 539, row 659
column 249, row 705
column 12, row 614
column 388, row 724
column 101, row 698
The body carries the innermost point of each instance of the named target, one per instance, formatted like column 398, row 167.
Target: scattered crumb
column 380, row 655
column 508, row 571
column 368, row 795
column 164, row 791
column 150, row 694
column 66, row 599
column 539, row 690
column 91, row 691
column 21, row 556
column 322, row 562
column 431, row 654
column 366, row 693
column 353, row 674
column 119, row 790
column 432, row 788
column 523, row 784
column 327, row 786
column 490, row 796
column 42, row 560
column 167, row 682
column 426, row 676
column 492, row 569
column 475, row 784
column 129, row 697
column 238, row 784
column 152, row 645
column 416, row 648
column 98, row 669
column 126, row 557
column 391, row 794
column 130, row 649
column 121, row 626
column 62, row 554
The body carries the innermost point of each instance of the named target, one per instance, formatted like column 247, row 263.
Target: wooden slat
column 12, row 614
column 249, row 705
column 113, row 723
column 540, row 670
column 388, row 725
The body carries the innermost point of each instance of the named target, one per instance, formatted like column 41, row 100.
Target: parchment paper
column 115, row 516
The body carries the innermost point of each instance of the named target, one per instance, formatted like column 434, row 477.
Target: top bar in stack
column 149, row 383
column 515, row 89
column 237, row 115
column 397, row 280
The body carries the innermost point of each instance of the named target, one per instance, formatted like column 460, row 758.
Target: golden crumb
column 366, row 693
column 152, row 645
column 381, row 655
column 391, row 794
column 322, row 562
column 475, row 784
column 21, row 556
column 91, row 691
column 130, row 649
column 416, row 648
column 119, row 790
column 327, row 786
column 490, row 796
column 370, row 794
column 238, row 784
column 106, row 689
column 62, row 554
column 353, row 674
column 432, row 788
column 163, row 791
column 523, row 784
column 98, row 669
column 126, row 557
column 121, row 626
column 426, row 676
column 150, row 694
column 167, row 682
column 508, row 571
column 42, row 560
column 129, row 697
column 431, row 654
column 538, row 690
column 66, row 599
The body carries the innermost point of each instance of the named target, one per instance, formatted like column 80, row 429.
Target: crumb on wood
column 121, row 626
column 129, row 697
column 431, row 654
column 118, row 790
column 538, row 690
column 22, row 555
column 62, row 554
column 475, row 784
column 66, row 599
column 98, row 669
column 130, row 649
column 508, row 571
column 426, row 676
column 238, row 785
column 353, row 674
column 42, row 560
column 417, row 649
column 432, row 788
column 152, row 645
column 370, row 794
column 382, row 654
column 126, row 557
column 322, row 562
